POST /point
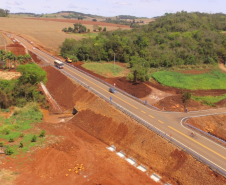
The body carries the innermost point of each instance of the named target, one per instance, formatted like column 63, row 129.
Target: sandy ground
column 9, row 75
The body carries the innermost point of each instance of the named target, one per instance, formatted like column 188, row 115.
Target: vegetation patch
column 209, row 100
column 212, row 80
column 17, row 128
column 105, row 69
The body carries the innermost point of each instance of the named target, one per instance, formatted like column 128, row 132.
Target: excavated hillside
column 101, row 120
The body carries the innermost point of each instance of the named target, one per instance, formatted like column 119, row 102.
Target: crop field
column 206, row 81
column 46, row 32
column 106, row 69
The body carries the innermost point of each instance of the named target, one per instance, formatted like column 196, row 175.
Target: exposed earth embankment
column 104, row 122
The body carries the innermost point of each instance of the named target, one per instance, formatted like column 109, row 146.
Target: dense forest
column 173, row 39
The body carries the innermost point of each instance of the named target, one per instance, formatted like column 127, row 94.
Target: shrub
column 1, row 144
column 22, row 135
column 34, row 138
column 11, row 140
column 9, row 151
column 42, row 134
column 21, row 145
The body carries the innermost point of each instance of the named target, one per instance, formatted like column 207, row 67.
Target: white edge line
column 200, row 134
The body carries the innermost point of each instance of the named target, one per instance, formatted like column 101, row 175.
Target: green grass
column 209, row 100
column 22, row 120
column 210, row 80
column 104, row 69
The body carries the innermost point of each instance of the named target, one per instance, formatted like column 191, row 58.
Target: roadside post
column 114, row 84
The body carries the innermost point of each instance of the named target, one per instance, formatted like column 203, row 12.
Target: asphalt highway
column 167, row 122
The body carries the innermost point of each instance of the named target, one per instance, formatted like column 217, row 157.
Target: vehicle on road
column 68, row 60
column 59, row 64
column 112, row 90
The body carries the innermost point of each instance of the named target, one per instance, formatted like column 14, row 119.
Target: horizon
column 109, row 8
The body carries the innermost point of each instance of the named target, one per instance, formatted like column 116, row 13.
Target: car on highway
column 112, row 90
column 33, row 47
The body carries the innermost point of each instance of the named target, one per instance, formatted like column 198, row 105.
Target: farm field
column 206, row 81
column 47, row 33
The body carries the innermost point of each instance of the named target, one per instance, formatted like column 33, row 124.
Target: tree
column 20, row 59
column 100, row 28
column 104, row 29
column 27, row 58
column 139, row 69
column 4, row 101
column 186, row 97
column 31, row 73
column 94, row 20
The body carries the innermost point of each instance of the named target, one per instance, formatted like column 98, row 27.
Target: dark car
column 112, row 90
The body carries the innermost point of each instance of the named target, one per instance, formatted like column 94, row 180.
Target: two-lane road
column 167, row 122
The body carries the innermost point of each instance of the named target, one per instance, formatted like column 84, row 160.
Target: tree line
column 172, row 40
column 23, row 90
column 10, row 60
column 4, row 13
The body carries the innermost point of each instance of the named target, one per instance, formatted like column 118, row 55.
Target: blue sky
column 140, row 8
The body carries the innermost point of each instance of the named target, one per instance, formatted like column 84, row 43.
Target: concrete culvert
column 74, row 111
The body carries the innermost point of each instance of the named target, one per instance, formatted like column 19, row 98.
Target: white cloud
column 14, row 3
column 72, row 6
column 122, row 3
column 45, row 6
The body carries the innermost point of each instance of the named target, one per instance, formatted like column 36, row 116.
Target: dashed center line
column 143, row 112
column 151, row 116
column 160, row 121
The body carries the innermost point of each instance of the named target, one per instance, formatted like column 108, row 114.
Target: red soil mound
column 16, row 48
column 83, row 22
column 174, row 103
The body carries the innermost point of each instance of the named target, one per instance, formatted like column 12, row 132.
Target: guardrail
column 102, row 81
column 152, row 128
column 207, row 134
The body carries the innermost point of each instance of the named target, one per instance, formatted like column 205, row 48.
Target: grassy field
column 209, row 100
column 17, row 128
column 210, row 80
column 106, row 69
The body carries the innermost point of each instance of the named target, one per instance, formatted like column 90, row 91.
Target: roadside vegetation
column 209, row 100
column 11, row 60
column 105, row 69
column 171, row 40
column 210, row 80
column 23, row 97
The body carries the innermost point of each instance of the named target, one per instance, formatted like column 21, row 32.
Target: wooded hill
column 173, row 39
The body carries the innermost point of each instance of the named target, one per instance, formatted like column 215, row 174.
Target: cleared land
column 210, row 80
column 47, row 33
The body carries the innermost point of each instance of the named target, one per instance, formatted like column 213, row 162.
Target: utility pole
column 114, row 60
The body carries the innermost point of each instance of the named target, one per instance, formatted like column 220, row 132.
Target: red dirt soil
column 83, row 22
column 101, row 120
column 215, row 124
